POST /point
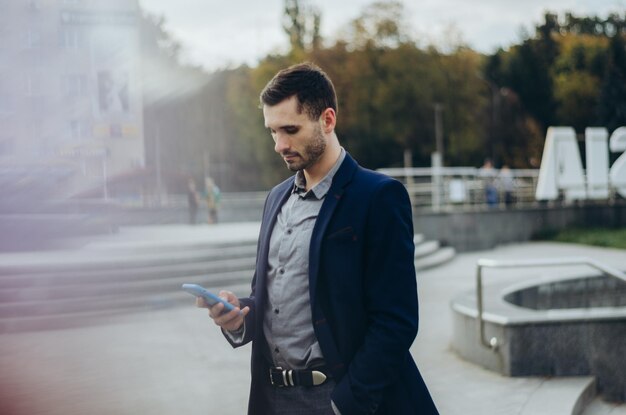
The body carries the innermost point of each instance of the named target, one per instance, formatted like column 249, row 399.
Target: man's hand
column 230, row 321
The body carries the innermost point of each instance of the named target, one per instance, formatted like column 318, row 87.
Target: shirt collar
column 320, row 189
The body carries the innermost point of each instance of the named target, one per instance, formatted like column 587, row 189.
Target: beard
column 312, row 152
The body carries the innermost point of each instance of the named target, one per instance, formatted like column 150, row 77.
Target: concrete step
column 42, row 262
column 87, row 304
column 601, row 407
column 14, row 299
column 441, row 256
column 121, row 275
column 426, row 248
column 139, row 247
column 42, row 290
column 561, row 396
column 102, row 309
column 103, row 315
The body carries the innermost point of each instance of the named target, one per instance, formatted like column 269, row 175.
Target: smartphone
column 208, row 296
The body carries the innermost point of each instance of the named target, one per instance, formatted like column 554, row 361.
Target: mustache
column 289, row 153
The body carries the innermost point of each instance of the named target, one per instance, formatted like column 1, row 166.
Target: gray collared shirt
column 287, row 322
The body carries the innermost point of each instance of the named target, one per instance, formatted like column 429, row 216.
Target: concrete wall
column 549, row 349
column 485, row 229
column 464, row 230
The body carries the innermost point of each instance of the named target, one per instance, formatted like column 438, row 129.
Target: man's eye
column 291, row 130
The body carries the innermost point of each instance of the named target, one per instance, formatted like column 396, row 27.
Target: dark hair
column 312, row 87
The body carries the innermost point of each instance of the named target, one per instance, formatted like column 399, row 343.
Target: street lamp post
column 439, row 131
column 157, row 163
column 437, row 161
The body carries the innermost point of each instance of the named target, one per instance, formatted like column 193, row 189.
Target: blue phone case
column 211, row 299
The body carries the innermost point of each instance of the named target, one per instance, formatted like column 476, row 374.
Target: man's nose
column 281, row 143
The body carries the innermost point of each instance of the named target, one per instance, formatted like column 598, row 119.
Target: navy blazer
column 363, row 294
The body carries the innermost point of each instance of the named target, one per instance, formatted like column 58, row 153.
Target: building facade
column 70, row 92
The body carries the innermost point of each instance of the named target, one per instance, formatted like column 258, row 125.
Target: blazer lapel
column 334, row 195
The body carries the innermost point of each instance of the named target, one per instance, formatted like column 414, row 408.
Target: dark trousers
column 299, row 400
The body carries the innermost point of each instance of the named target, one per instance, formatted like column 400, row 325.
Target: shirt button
column 276, row 311
column 276, row 350
column 289, row 231
column 282, row 271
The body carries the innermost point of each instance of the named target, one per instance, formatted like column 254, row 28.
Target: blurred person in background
column 488, row 175
column 506, row 182
column 193, row 200
column 212, row 199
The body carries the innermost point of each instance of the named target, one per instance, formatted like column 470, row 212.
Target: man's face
column 298, row 139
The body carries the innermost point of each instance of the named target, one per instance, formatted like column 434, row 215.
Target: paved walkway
column 174, row 360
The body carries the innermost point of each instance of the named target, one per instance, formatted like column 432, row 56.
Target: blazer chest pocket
column 346, row 234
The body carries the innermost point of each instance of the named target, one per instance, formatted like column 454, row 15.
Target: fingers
column 216, row 310
column 229, row 321
column 230, row 297
column 224, row 295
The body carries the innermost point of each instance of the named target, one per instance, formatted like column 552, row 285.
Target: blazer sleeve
column 390, row 291
column 249, row 328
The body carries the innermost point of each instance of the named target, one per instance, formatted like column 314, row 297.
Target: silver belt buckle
column 272, row 377
column 287, row 377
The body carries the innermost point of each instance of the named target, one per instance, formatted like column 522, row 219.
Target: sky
column 218, row 34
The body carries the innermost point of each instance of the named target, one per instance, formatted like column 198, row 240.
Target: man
column 333, row 309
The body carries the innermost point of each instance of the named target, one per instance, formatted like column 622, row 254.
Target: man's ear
column 329, row 120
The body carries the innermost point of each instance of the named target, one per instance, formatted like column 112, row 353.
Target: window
column 76, row 130
column 33, row 39
column 71, row 38
column 74, row 85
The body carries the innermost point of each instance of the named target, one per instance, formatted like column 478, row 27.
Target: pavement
column 174, row 360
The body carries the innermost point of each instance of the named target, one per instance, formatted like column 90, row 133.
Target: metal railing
column 493, row 343
column 448, row 188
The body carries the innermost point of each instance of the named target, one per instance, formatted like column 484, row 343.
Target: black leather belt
column 287, row 378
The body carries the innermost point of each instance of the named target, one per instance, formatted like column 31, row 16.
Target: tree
column 381, row 25
column 577, row 74
column 612, row 108
column 570, row 72
column 301, row 23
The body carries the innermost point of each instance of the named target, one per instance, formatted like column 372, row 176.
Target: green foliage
column 381, row 25
column 571, row 71
column 567, row 74
column 612, row 108
column 606, row 237
column 386, row 87
column 250, row 130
